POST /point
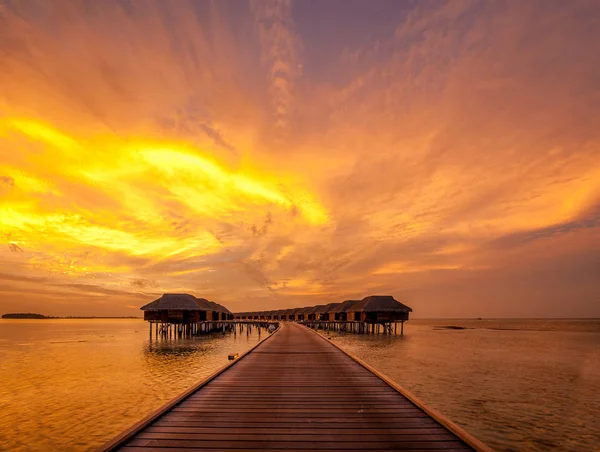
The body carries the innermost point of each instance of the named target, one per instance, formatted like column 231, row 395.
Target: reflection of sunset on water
column 270, row 157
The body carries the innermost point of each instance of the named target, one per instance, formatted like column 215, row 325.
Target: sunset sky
column 274, row 154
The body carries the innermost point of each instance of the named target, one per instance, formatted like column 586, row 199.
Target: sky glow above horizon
column 273, row 154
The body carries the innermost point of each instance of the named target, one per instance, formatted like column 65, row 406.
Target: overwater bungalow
column 340, row 311
column 276, row 314
column 177, row 308
column 289, row 314
column 220, row 312
column 370, row 315
column 283, row 315
column 325, row 314
column 213, row 312
column 378, row 309
column 293, row 315
column 302, row 313
column 313, row 313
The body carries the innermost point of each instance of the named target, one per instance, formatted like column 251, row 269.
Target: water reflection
column 370, row 342
column 106, row 372
column 525, row 385
column 161, row 349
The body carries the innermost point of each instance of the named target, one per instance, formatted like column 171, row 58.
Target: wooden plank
column 266, row 443
column 183, row 449
column 294, row 392
column 297, row 411
column 347, row 432
column 395, row 424
column 323, row 437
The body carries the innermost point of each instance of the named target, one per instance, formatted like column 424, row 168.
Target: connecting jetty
column 295, row 390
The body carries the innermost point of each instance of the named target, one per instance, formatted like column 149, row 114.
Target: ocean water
column 71, row 385
column 518, row 385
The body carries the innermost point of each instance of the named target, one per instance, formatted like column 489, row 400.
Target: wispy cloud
column 280, row 53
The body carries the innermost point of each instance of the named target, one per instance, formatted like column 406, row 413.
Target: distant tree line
column 20, row 315
column 28, row 315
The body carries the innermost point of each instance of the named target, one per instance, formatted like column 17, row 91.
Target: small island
column 28, row 315
column 20, row 315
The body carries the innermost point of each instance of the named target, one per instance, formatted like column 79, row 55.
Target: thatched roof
column 344, row 306
column 379, row 303
column 177, row 301
column 315, row 309
column 205, row 304
column 218, row 307
column 329, row 308
column 375, row 303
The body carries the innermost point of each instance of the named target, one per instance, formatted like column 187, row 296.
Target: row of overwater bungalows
column 373, row 309
column 186, row 309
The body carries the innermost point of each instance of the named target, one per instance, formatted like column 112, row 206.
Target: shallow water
column 517, row 385
column 71, row 385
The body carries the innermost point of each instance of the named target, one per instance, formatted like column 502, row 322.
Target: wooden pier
column 164, row 330
column 295, row 391
column 356, row 327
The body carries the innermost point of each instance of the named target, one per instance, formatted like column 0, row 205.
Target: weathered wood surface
column 295, row 392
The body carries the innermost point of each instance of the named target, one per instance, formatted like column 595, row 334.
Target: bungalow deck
column 295, row 391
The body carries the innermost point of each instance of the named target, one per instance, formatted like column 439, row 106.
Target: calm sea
column 518, row 385
column 71, row 385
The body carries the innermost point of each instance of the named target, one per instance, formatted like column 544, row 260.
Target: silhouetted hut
column 325, row 314
column 211, row 312
column 177, row 308
column 291, row 314
column 379, row 309
column 283, row 314
column 218, row 312
column 313, row 313
column 302, row 313
column 339, row 312
column 228, row 315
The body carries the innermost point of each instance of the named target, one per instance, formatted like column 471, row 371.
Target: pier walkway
column 295, row 391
